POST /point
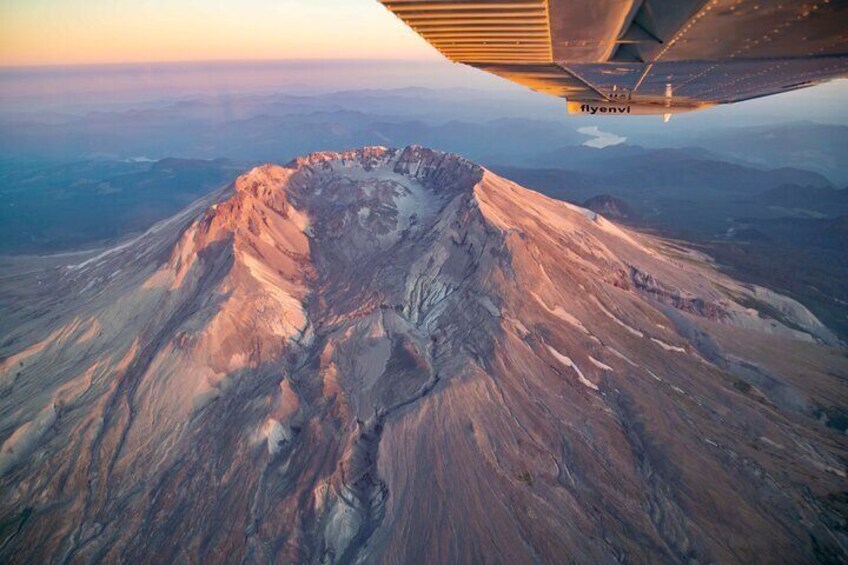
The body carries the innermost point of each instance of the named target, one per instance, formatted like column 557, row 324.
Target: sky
column 75, row 32
column 44, row 42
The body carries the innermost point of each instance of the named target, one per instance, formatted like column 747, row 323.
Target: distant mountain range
column 49, row 208
column 495, row 128
column 813, row 146
column 690, row 191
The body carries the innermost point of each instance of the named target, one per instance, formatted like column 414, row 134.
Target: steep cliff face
column 397, row 356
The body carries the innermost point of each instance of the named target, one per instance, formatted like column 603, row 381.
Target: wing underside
column 671, row 55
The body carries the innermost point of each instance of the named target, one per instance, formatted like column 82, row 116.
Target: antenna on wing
column 669, row 92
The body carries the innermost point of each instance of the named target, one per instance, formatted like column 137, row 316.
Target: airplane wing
column 641, row 56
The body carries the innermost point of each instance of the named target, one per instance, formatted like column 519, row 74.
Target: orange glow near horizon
column 81, row 32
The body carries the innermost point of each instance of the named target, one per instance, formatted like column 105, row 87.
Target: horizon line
column 165, row 63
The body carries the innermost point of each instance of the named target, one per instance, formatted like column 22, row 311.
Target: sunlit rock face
column 397, row 356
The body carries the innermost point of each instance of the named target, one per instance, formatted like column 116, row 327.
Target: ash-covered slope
column 397, row 356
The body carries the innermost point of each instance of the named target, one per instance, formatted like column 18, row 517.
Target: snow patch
column 588, row 213
column 560, row 313
column 615, row 319
column 569, row 363
column 621, row 356
column 667, row 346
column 599, row 365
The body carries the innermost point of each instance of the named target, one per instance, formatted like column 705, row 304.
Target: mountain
column 825, row 201
column 667, row 169
column 804, row 233
column 674, row 191
column 254, row 128
column 398, row 356
column 816, row 146
column 610, row 207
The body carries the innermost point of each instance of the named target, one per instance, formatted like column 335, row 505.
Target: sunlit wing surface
column 641, row 56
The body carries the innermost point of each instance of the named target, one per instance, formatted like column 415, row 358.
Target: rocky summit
column 396, row 356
